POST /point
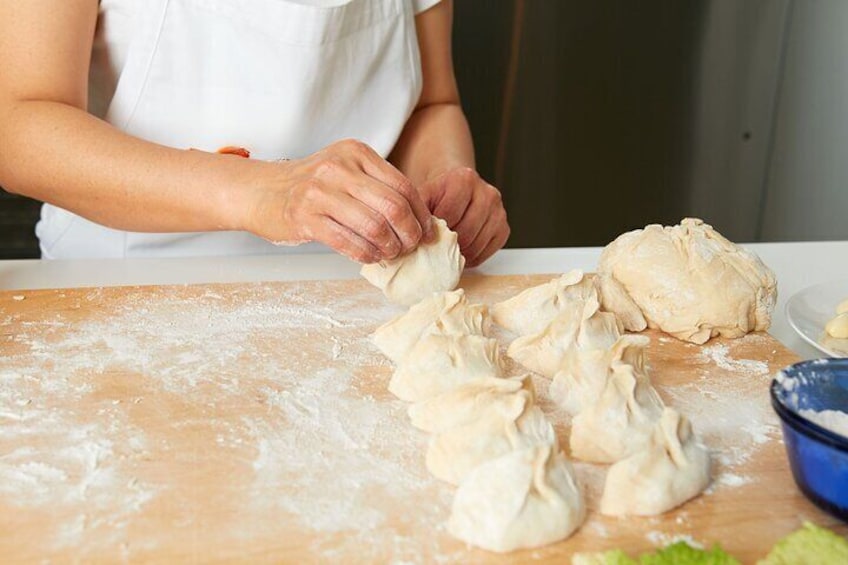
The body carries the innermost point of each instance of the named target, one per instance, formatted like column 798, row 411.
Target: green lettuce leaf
column 811, row 545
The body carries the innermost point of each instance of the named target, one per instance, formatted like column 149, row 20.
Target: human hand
column 345, row 196
column 471, row 207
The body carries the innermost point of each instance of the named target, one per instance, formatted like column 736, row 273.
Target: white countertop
column 797, row 266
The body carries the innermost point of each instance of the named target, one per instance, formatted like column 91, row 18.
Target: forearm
column 436, row 139
column 62, row 155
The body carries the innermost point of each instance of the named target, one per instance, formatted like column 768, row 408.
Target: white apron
column 281, row 78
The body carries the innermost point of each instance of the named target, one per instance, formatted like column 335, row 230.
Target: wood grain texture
column 195, row 423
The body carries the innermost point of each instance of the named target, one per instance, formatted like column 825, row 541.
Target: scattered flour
column 245, row 389
column 662, row 539
column 718, row 354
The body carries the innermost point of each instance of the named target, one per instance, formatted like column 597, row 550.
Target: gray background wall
column 598, row 116
column 623, row 113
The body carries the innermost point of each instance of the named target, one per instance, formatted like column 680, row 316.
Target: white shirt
column 283, row 78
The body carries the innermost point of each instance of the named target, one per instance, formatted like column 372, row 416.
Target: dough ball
column 530, row 311
column 525, row 499
column 620, row 422
column 838, row 326
column 433, row 267
column 470, row 401
column 445, row 313
column 691, row 282
column 843, row 307
column 579, row 325
column 439, row 363
column 584, row 373
column 502, row 428
column 672, row 468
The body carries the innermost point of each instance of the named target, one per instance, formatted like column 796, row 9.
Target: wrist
column 240, row 195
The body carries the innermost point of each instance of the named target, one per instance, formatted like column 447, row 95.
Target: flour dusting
column 242, row 385
column 257, row 416
column 719, row 354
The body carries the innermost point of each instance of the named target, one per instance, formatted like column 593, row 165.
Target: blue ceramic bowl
column 818, row 457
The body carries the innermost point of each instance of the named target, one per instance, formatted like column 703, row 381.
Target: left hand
column 472, row 208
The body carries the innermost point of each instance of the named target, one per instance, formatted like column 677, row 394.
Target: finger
column 455, row 195
column 378, row 168
column 471, row 225
column 344, row 240
column 367, row 224
column 394, row 208
column 486, row 209
column 494, row 245
column 495, row 229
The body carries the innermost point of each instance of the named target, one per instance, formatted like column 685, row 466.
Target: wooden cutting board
column 252, row 422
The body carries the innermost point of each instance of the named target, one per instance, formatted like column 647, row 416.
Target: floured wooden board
column 252, row 422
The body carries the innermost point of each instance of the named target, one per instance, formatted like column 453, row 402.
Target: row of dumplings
column 598, row 375
column 516, row 488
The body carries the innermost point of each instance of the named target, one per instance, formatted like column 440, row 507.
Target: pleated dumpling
column 614, row 298
column 469, row 401
column 527, row 498
column 584, row 373
column 439, row 363
column 530, row 311
column 434, row 266
column 579, row 325
column 505, row 427
column 446, row 313
column 672, row 468
column 620, row 423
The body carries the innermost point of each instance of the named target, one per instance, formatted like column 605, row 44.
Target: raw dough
column 621, row 422
column 531, row 310
column 691, row 282
column 446, row 313
column 843, row 307
column 438, row 363
column 614, row 298
column 433, row 267
column 525, row 499
column 469, row 401
column 584, row 373
column 670, row 470
column 838, row 326
column 579, row 325
column 502, row 428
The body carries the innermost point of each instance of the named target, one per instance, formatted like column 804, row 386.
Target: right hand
column 345, row 196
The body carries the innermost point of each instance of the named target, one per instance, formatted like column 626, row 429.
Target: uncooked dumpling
column 446, row 313
column 584, row 373
column 579, row 325
column 620, row 422
column 530, row 311
column 527, row 498
column 438, row 363
column 433, row 267
column 667, row 472
column 614, row 298
column 504, row 427
column 691, row 282
column 470, row 401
